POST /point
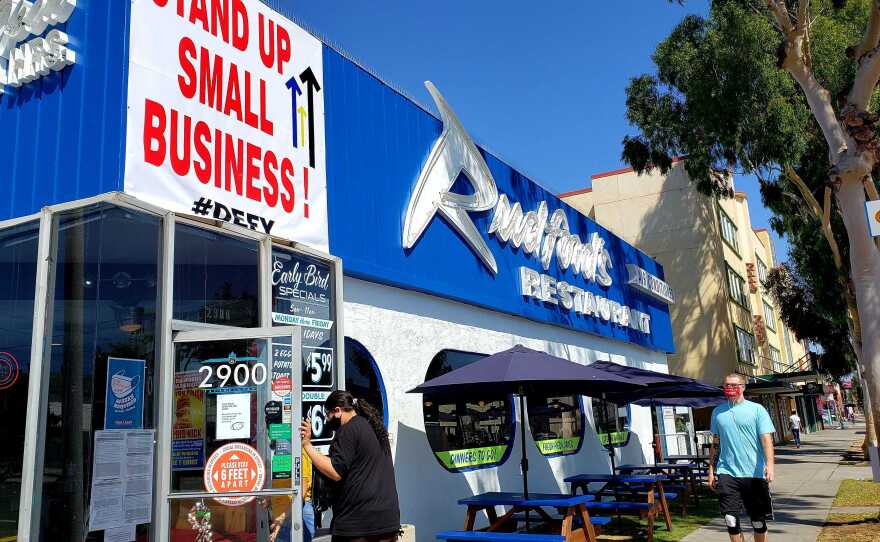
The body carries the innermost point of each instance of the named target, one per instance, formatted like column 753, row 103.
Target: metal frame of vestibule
column 168, row 331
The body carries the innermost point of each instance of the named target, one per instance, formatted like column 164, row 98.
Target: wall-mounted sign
column 124, row 395
column 23, row 63
column 445, row 217
column 226, row 116
column 872, row 210
column 646, row 282
column 301, row 291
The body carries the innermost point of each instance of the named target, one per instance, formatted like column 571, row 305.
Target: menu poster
column 302, row 289
column 188, row 431
column 122, row 479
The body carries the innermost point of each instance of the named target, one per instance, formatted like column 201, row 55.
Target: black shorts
column 744, row 495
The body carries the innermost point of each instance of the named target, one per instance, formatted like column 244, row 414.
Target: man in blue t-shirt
column 741, row 460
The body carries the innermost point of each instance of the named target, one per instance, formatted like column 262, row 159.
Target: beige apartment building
column 723, row 321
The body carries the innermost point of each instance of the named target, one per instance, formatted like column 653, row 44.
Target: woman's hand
column 305, row 431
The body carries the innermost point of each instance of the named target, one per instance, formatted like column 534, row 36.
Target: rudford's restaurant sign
column 536, row 233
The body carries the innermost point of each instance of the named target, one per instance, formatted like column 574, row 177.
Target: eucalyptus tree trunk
column 853, row 150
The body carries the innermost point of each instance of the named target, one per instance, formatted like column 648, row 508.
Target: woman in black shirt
column 367, row 509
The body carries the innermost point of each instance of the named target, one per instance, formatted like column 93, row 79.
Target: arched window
column 557, row 423
column 362, row 377
column 612, row 422
column 466, row 432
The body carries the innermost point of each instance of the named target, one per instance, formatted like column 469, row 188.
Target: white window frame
column 762, row 270
column 741, row 336
column 736, row 288
column 729, row 231
column 769, row 316
column 776, row 357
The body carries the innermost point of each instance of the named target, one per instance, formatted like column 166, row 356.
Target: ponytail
column 346, row 401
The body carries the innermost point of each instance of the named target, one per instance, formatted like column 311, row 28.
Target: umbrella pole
column 524, row 462
column 608, row 434
column 654, row 429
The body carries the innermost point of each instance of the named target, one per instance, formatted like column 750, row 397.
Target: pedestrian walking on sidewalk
column 794, row 422
column 741, row 460
column 366, row 509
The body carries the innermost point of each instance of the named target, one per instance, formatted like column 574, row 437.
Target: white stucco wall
column 404, row 330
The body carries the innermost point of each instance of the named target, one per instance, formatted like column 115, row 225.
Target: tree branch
column 793, row 59
column 872, row 34
column 780, row 12
column 866, row 79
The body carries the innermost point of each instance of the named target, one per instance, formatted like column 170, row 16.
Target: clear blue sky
column 540, row 85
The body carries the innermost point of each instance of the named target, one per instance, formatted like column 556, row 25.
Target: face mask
column 334, row 423
column 731, row 393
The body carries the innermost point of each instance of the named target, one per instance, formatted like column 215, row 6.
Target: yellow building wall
column 667, row 218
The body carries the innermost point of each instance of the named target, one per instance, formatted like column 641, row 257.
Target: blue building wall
column 62, row 136
column 377, row 142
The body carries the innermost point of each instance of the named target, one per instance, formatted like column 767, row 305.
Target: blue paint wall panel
column 377, row 142
column 62, row 136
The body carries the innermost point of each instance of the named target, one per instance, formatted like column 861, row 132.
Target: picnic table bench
column 676, row 473
column 564, row 528
column 617, row 485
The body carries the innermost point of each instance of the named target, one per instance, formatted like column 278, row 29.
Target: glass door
column 235, row 443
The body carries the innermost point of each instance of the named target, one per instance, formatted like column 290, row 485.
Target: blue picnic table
column 570, row 507
column 620, row 485
column 673, row 470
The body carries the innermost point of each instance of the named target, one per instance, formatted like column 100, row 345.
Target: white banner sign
column 872, row 208
column 226, row 116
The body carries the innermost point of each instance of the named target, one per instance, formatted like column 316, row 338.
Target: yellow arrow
column 302, row 125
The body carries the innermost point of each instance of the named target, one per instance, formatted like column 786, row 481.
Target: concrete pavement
column 807, row 480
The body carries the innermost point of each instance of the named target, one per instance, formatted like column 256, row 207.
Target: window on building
column 728, row 230
column 746, row 348
column 776, row 357
column 611, row 421
column 18, row 264
column 762, row 270
column 216, row 278
column 103, row 340
column 737, row 287
column 556, row 423
column 362, row 377
column 475, row 432
column 769, row 317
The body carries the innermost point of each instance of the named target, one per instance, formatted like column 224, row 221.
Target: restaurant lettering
column 537, row 233
column 22, row 64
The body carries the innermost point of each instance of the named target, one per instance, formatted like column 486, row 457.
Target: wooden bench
column 495, row 536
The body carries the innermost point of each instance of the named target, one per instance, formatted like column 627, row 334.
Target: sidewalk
column 806, row 483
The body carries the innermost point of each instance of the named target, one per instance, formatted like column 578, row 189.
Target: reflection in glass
column 222, row 395
column 106, row 271
column 215, row 278
column 466, row 432
column 189, row 517
column 18, row 259
column 556, row 423
column 612, row 422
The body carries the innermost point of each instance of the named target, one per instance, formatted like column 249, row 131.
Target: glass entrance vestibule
column 150, row 360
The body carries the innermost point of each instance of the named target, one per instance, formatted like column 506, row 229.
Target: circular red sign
column 234, row 468
column 281, row 386
column 9, row 370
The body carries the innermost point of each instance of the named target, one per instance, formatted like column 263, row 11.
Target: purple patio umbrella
column 525, row 371
column 667, row 390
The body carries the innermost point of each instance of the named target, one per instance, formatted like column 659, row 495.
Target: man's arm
column 769, row 456
column 714, row 451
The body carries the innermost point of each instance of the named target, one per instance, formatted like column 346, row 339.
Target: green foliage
column 719, row 98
